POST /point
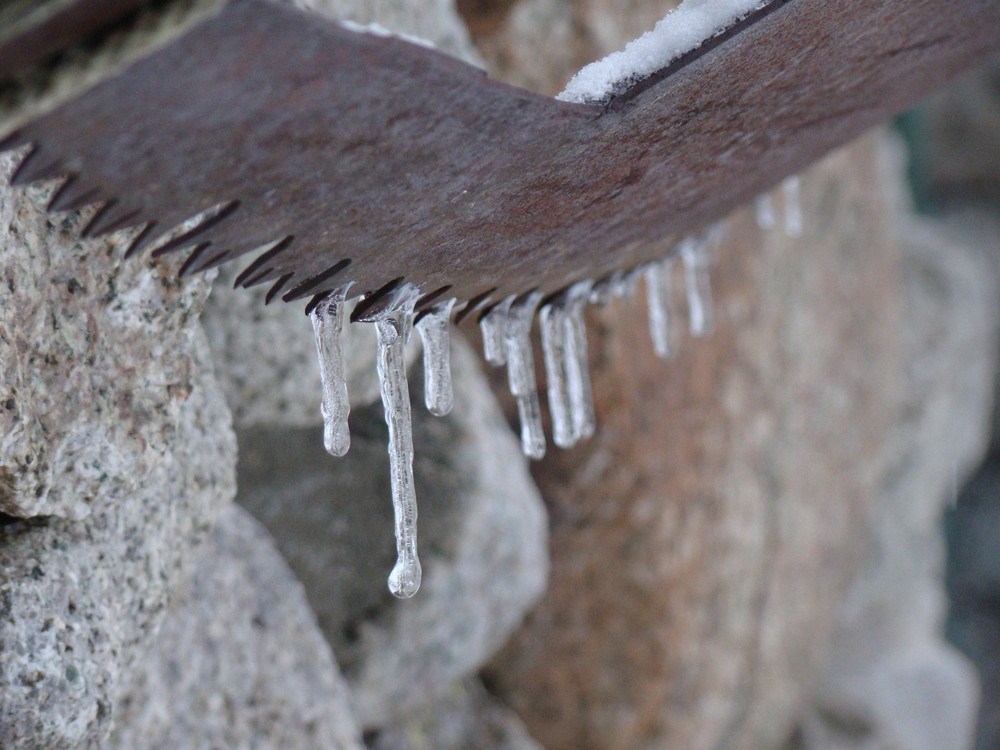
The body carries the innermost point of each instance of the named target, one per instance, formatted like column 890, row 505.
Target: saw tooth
column 13, row 140
column 276, row 289
column 72, row 195
column 111, row 217
column 370, row 302
column 309, row 285
column 215, row 260
column 262, row 260
column 427, row 299
column 266, row 275
column 98, row 219
column 192, row 259
column 36, row 165
column 196, row 226
column 140, row 240
column 474, row 304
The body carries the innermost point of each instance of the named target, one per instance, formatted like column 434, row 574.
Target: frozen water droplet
column 434, row 329
column 328, row 324
column 793, row 206
column 564, row 345
column 694, row 255
column 764, row 208
column 393, row 329
column 657, row 276
column 492, row 325
column 521, row 373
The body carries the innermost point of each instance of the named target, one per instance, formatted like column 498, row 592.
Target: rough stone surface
column 96, row 360
column 702, row 540
column 239, row 662
column 79, row 600
column 464, row 718
column 482, row 541
column 891, row 681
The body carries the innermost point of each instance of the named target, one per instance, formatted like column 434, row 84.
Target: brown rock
column 702, row 540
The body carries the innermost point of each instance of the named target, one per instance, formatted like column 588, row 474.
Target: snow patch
column 682, row 30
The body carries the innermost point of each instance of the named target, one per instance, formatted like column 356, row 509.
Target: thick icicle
column 434, row 328
column 521, row 373
column 657, row 276
column 328, row 324
column 393, row 328
column 492, row 326
column 764, row 208
column 793, row 206
column 694, row 255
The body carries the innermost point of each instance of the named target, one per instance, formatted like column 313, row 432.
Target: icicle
column 328, row 324
column 434, row 328
column 657, row 276
column 764, row 208
column 492, row 326
column 619, row 285
column 793, row 206
column 551, row 321
column 627, row 283
column 577, row 365
column 698, row 285
column 393, row 329
column 521, row 373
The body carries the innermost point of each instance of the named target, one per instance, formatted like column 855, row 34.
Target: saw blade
column 346, row 157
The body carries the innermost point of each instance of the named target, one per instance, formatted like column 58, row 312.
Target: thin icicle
column 492, row 325
column 657, row 276
column 577, row 365
column 564, row 344
column 328, row 325
column 627, row 283
column 434, row 328
column 521, row 373
column 393, row 329
column 551, row 320
column 764, row 208
column 793, row 206
column 697, row 283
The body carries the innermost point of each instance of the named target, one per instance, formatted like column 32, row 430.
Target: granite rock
column 80, row 600
column 466, row 717
column 97, row 359
column 892, row 681
column 239, row 662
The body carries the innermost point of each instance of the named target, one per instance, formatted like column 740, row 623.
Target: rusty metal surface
column 371, row 160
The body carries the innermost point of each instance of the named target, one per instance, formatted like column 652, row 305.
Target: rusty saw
column 341, row 156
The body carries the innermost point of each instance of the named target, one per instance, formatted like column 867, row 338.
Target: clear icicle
column 393, row 328
column 764, row 208
column 577, row 365
column 492, row 325
column 521, row 373
column 551, row 320
column 697, row 283
column 793, row 206
column 328, row 325
column 657, row 276
column 434, row 330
